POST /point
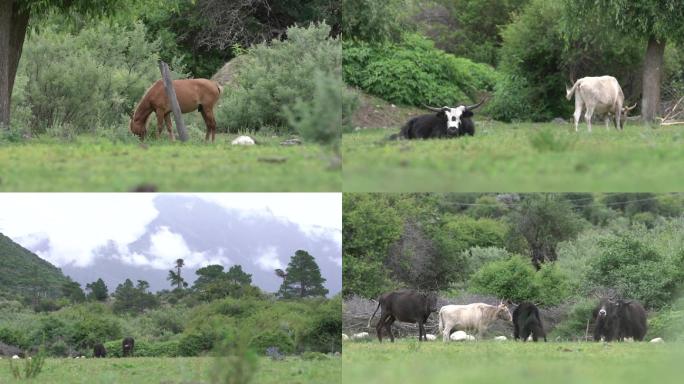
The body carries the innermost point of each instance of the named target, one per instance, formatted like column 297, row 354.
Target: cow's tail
column 572, row 90
column 371, row 318
column 220, row 88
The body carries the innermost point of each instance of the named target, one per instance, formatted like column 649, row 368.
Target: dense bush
column 77, row 83
column 574, row 325
column 144, row 348
column 668, row 323
column 414, row 72
column 511, row 279
column 516, row 279
column 275, row 76
column 322, row 119
column 635, row 270
column 371, row 20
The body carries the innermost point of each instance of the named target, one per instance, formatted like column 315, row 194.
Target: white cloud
column 69, row 228
column 317, row 214
column 75, row 223
column 268, row 259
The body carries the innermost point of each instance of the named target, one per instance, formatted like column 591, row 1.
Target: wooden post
column 171, row 94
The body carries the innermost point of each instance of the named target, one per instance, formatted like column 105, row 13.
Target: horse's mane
column 143, row 98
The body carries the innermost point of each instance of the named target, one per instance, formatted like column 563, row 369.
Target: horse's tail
column 376, row 310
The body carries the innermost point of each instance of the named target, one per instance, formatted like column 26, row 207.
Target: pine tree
column 302, row 278
column 97, row 290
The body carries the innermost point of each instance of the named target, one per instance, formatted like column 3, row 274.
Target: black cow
column 127, row 346
column 99, row 350
column 407, row 306
column 526, row 321
column 618, row 319
column 447, row 122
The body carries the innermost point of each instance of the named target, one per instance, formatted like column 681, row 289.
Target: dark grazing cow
column 406, row 306
column 446, row 122
column 619, row 319
column 526, row 322
column 127, row 346
column 99, row 350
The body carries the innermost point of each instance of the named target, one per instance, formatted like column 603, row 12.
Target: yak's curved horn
column 433, row 109
column 471, row 107
column 630, row 108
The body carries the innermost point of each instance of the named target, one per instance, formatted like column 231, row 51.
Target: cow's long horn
column 630, row 108
column 471, row 107
column 433, row 109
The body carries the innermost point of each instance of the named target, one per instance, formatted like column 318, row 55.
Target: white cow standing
column 477, row 316
column 602, row 95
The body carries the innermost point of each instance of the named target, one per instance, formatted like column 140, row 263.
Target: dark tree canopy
column 97, row 290
column 544, row 221
column 303, row 278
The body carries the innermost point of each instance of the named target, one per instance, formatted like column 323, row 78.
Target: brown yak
column 192, row 94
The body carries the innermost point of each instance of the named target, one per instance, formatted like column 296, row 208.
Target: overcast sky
column 78, row 224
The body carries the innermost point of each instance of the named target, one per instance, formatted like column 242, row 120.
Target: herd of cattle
column 601, row 95
column 614, row 320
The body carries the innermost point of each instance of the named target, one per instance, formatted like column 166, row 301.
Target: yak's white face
column 454, row 118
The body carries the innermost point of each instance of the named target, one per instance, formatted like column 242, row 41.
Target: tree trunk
column 13, row 24
column 653, row 73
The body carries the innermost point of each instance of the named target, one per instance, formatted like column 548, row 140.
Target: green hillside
column 23, row 273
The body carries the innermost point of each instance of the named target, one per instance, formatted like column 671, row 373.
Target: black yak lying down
column 99, row 350
column 445, row 122
column 526, row 322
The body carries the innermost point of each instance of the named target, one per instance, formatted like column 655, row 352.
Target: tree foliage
column 97, row 290
column 303, row 278
column 544, row 221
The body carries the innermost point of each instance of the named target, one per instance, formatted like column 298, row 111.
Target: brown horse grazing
column 192, row 94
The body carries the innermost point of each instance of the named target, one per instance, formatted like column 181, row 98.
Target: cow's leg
column 380, row 324
column 577, row 115
column 169, row 127
column 388, row 327
column 607, row 119
column 421, row 332
column 587, row 116
column 446, row 332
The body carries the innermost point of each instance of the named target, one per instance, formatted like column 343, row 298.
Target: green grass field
column 98, row 164
column 485, row 362
column 518, row 157
column 142, row 370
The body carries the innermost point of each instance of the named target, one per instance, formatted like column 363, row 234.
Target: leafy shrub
column 546, row 140
column 636, row 270
column 552, row 285
column 516, row 279
column 574, row 326
column 78, row 82
column 272, row 338
column 668, row 323
column 12, row 337
column 322, row 118
column 275, row 76
column 510, row 279
column 488, row 206
column 371, row 20
column 322, row 334
column 145, row 348
column 414, row 72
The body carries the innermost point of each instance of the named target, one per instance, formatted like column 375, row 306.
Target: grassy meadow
column 101, row 164
column 518, row 157
column 407, row 361
column 155, row 370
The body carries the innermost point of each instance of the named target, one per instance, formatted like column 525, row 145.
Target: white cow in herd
column 602, row 95
column 477, row 317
